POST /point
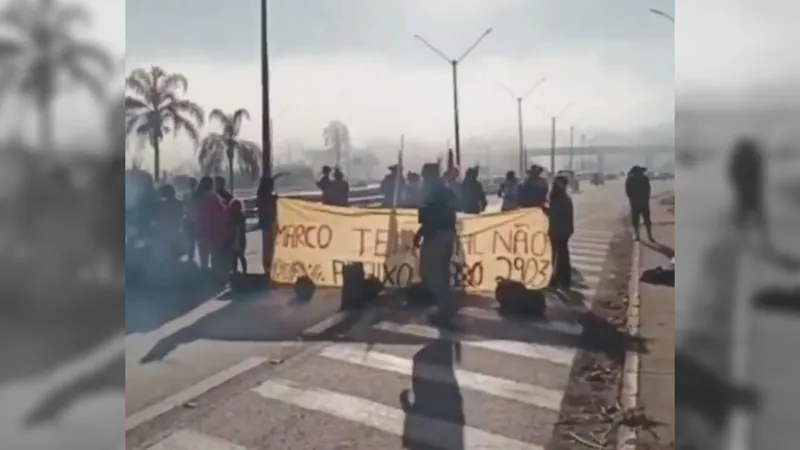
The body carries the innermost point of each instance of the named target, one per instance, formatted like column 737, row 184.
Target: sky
column 357, row 61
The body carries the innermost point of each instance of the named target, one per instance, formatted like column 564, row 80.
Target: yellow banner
column 318, row 240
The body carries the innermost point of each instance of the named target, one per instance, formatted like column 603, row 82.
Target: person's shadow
column 434, row 410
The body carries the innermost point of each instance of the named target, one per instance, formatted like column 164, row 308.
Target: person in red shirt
column 212, row 230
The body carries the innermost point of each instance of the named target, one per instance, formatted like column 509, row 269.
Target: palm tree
column 41, row 54
column 157, row 107
column 227, row 145
column 337, row 138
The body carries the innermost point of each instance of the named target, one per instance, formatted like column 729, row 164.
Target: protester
column 436, row 235
column 637, row 189
column 562, row 226
column 324, row 184
column 451, row 180
column 473, row 196
column 237, row 225
column 389, row 185
column 746, row 175
column 340, row 189
column 168, row 225
column 219, row 188
column 190, row 218
column 533, row 192
column 211, row 225
column 509, row 192
column 413, row 191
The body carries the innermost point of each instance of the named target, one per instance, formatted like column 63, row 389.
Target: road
column 504, row 392
column 718, row 270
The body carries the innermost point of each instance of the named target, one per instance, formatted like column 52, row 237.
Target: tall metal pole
column 553, row 146
column 454, row 65
column 456, row 127
column 522, row 161
column 266, row 126
column 571, row 146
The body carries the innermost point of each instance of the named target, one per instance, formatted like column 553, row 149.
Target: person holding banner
column 562, row 225
column 435, row 237
column 473, row 196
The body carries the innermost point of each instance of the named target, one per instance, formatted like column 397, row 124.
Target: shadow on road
column 147, row 308
column 439, row 400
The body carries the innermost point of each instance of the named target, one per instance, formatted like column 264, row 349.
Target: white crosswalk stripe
column 506, row 385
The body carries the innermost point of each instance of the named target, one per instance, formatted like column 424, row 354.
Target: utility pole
column 266, row 125
column 523, row 160
column 553, row 119
column 454, row 66
column 571, row 146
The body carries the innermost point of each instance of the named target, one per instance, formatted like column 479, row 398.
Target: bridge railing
column 363, row 196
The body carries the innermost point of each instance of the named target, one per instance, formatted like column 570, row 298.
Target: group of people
column 335, row 190
column 206, row 225
column 408, row 191
column 442, row 199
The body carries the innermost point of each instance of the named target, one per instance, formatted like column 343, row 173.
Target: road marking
column 432, row 432
column 192, row 392
column 577, row 246
column 582, row 267
column 192, row 440
column 596, row 233
column 589, row 239
column 554, row 354
column 592, row 259
column 595, row 252
column 559, row 326
column 360, row 354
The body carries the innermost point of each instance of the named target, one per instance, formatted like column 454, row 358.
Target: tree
column 337, row 138
column 227, row 146
column 41, row 55
column 156, row 107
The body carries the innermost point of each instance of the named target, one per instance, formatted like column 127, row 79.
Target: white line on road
column 558, row 355
column 490, row 314
column 583, row 267
column 360, row 354
column 589, row 239
column 192, row 440
column 594, row 251
column 576, row 246
column 192, row 392
column 424, row 430
column 590, row 259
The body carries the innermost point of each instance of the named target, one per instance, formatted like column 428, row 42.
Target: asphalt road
column 503, row 392
column 722, row 274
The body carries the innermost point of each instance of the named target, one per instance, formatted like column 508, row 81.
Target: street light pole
column 454, row 65
column 571, row 146
column 553, row 119
column 266, row 125
column 658, row 12
column 519, row 99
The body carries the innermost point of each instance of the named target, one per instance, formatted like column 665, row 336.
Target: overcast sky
column 357, row 61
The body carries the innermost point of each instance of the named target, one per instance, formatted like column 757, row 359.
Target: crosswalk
column 493, row 383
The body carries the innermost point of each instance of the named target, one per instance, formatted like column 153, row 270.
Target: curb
column 177, row 400
column 626, row 437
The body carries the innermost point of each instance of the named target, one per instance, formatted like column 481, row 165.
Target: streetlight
column 266, row 122
column 553, row 133
column 658, row 12
column 572, row 140
column 519, row 100
column 454, row 64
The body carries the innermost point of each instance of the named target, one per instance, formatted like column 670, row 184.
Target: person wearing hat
column 562, row 226
column 393, row 183
column 324, row 185
column 533, row 192
column 637, row 189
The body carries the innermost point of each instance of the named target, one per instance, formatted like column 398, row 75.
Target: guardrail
column 362, row 196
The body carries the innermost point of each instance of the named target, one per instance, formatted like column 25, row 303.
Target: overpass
column 621, row 150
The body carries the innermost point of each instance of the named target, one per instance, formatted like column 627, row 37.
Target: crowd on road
column 205, row 226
